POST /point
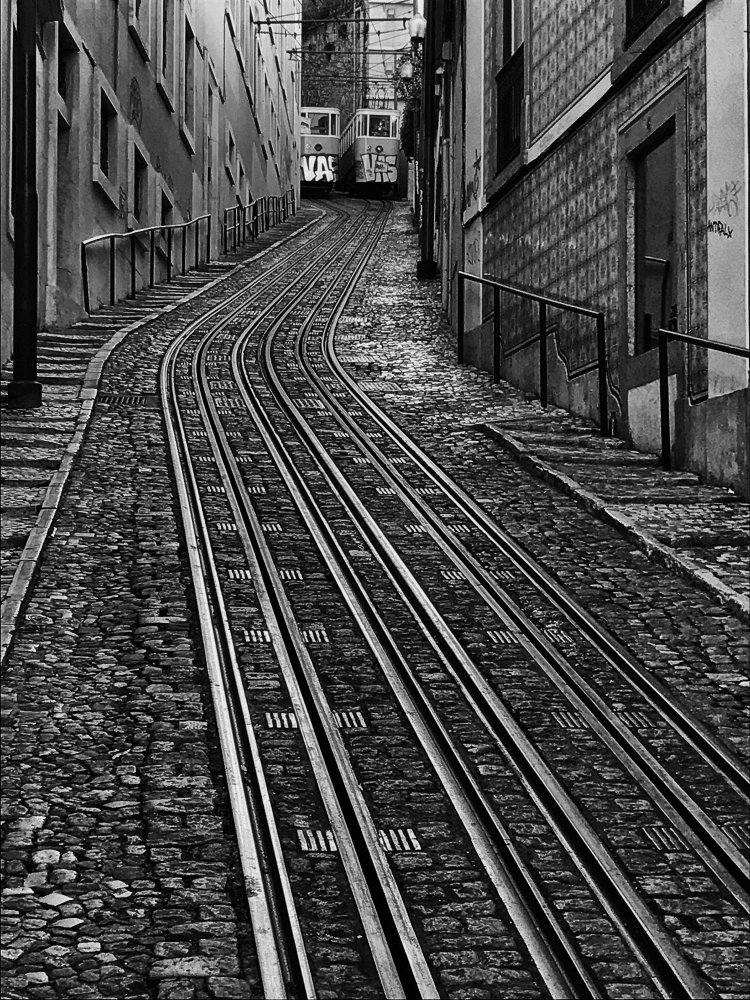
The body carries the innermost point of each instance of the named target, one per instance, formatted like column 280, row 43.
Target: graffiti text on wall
column 319, row 167
column 715, row 226
column 726, row 199
column 377, row 168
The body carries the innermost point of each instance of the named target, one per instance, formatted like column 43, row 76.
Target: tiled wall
column 557, row 231
column 570, row 46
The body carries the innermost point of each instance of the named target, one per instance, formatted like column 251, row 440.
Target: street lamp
column 417, row 27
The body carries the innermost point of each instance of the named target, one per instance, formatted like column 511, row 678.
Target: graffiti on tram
column 377, row 168
column 319, row 167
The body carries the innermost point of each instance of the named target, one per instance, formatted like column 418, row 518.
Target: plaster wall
column 173, row 107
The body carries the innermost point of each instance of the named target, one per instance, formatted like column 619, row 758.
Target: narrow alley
column 334, row 668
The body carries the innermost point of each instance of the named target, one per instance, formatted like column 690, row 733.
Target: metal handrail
column 544, row 302
column 132, row 234
column 664, row 337
column 263, row 213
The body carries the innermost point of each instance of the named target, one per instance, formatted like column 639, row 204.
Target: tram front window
column 320, row 125
column 380, row 126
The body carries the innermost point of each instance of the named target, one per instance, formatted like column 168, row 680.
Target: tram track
column 677, row 804
column 398, row 957
column 402, row 967
column 667, row 966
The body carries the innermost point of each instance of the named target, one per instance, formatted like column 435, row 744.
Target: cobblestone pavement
column 120, row 875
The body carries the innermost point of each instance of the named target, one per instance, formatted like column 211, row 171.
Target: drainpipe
column 426, row 266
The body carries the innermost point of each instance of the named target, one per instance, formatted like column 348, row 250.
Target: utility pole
column 24, row 391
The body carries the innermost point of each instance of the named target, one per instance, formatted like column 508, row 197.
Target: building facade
column 597, row 153
column 351, row 51
column 149, row 112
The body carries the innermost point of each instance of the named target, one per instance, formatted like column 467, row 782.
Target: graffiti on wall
column 377, row 168
column 726, row 199
column 319, row 168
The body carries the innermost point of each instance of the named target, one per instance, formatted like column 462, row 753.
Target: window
column 319, row 124
column 656, row 259
column 140, row 187
column 379, row 126
column 639, row 14
column 139, row 25
column 165, row 76
column 107, row 137
column 510, row 84
column 509, row 109
column 187, row 125
column 230, row 154
column 166, row 209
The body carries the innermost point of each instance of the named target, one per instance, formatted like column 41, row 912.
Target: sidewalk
column 700, row 532
column 39, row 447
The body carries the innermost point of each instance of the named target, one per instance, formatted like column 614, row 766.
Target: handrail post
column 132, row 267
column 196, row 233
column 152, row 257
column 460, row 319
column 601, row 353
column 666, row 436
column 169, row 254
column 111, row 270
column 208, row 240
column 85, row 279
column 234, row 230
column 543, row 353
column 184, row 246
column 224, row 228
column 495, row 334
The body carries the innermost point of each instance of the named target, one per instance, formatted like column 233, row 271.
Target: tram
column 370, row 152
column 319, row 149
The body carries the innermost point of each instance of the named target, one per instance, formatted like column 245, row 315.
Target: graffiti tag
column 377, row 168
column 715, row 226
column 319, row 167
column 727, row 199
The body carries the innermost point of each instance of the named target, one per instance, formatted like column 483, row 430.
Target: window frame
column 636, row 136
column 105, row 181
column 165, row 75
column 139, row 27
column 187, row 124
column 136, row 148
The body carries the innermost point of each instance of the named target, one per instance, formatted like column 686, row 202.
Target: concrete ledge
column 656, row 550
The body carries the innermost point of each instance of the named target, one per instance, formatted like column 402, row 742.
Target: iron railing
column 544, row 302
column 133, row 235
column 246, row 222
column 664, row 337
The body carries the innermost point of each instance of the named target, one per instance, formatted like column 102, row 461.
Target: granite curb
column 33, row 549
column 651, row 546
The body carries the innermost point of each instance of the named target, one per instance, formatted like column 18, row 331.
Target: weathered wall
column 212, row 117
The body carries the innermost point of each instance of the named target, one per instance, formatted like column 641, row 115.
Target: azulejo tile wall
column 557, row 230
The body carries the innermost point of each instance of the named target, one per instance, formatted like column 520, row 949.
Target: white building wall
column 173, row 107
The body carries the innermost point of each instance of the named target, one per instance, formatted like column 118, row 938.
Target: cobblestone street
column 479, row 714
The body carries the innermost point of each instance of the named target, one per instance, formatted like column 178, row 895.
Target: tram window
column 380, row 126
column 320, row 125
column 394, row 128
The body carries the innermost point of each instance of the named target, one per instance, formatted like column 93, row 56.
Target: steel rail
column 258, row 842
column 396, row 951
column 659, row 955
column 721, row 757
column 673, row 800
column 549, row 944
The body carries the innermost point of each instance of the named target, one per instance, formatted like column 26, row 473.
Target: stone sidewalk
column 699, row 531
